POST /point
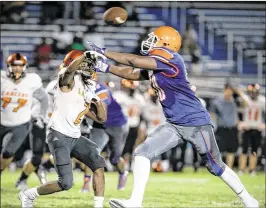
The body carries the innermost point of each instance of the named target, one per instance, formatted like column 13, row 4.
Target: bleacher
column 231, row 36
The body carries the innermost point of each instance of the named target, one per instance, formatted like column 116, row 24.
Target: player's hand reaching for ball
column 96, row 48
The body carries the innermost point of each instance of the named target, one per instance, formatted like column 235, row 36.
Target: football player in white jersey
column 74, row 95
column 253, row 124
column 18, row 88
column 131, row 103
column 37, row 145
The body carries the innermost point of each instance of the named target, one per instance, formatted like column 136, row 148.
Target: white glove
column 102, row 66
column 95, row 55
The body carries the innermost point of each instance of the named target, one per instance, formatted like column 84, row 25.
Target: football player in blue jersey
column 187, row 119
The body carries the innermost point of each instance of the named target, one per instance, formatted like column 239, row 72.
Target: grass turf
column 186, row 189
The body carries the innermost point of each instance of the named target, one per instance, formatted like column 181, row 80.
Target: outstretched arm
column 143, row 62
column 66, row 79
column 128, row 72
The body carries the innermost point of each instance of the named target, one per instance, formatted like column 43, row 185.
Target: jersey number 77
column 7, row 100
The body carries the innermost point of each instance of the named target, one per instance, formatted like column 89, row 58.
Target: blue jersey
column 180, row 104
column 115, row 115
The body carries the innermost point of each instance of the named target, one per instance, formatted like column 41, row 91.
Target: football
column 115, row 16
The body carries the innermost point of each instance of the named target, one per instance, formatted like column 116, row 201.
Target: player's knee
column 66, row 182
column 214, row 165
column 36, row 160
column 7, row 154
column 142, row 150
column 98, row 164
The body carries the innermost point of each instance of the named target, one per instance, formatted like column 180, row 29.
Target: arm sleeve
column 42, row 97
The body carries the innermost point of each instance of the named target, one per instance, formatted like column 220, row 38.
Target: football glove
column 96, row 48
column 102, row 67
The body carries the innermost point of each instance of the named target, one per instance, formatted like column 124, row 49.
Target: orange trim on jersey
column 103, row 95
column 173, row 75
column 164, row 56
column 162, row 53
column 172, row 65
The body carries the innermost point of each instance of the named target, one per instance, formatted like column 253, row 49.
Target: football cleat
column 26, row 202
column 251, row 203
column 21, row 185
column 120, row 203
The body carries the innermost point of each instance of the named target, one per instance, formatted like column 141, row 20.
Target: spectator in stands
column 78, row 42
column 43, row 53
column 191, row 47
column 86, row 10
column 13, row 12
column 190, row 39
column 224, row 114
column 195, row 52
column 51, row 10
column 62, row 40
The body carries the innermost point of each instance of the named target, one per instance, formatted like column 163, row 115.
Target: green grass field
column 186, row 189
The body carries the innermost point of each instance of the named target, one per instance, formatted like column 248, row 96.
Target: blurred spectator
column 190, row 39
column 43, row 53
column 196, row 66
column 78, row 43
column 224, row 114
column 192, row 48
column 86, row 10
column 62, row 40
column 13, row 12
column 51, row 10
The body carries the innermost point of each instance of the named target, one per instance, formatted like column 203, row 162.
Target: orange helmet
column 14, row 60
column 71, row 56
column 163, row 36
column 86, row 68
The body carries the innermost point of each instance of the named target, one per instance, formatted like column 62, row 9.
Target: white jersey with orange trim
column 50, row 89
column 16, row 99
column 254, row 113
column 153, row 114
column 132, row 106
column 69, row 108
